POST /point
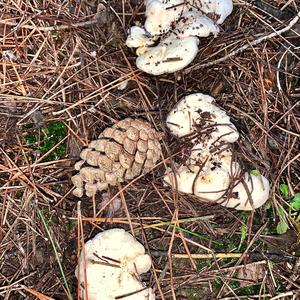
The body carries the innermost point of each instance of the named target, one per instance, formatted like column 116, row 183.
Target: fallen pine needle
column 37, row 294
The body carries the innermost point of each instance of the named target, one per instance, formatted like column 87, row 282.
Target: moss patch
column 43, row 140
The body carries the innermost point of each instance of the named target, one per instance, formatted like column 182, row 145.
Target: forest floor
column 62, row 65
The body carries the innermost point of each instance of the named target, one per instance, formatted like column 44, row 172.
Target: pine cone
column 122, row 152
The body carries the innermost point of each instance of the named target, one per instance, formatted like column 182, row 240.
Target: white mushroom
column 250, row 193
column 221, row 8
column 207, row 173
column 194, row 23
column 191, row 24
column 172, row 21
column 113, row 261
column 210, row 171
column 197, row 112
column 212, row 155
column 209, row 186
column 179, row 48
column 161, row 15
column 138, row 37
column 169, row 56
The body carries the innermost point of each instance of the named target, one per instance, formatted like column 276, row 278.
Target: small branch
column 251, row 44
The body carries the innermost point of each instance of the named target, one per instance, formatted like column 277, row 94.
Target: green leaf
column 255, row 172
column 243, row 232
column 295, row 204
column 284, row 189
column 282, row 227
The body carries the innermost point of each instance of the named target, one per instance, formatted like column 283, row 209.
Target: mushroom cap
column 258, row 187
column 108, row 284
column 173, row 21
column 209, row 186
column 221, row 8
column 194, row 23
column 213, row 154
column 119, row 245
column 210, row 169
column 182, row 180
column 213, row 185
column 169, row 56
column 197, row 110
column 138, row 37
column 161, row 16
column 113, row 260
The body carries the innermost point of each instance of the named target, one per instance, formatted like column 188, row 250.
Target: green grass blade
column 56, row 255
column 200, row 236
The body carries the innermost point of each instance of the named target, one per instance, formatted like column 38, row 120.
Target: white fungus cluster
column 110, row 266
column 169, row 39
column 211, row 172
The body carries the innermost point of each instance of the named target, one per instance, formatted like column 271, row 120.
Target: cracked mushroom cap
column 256, row 186
column 198, row 113
column 122, row 152
column 113, row 261
column 170, row 55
